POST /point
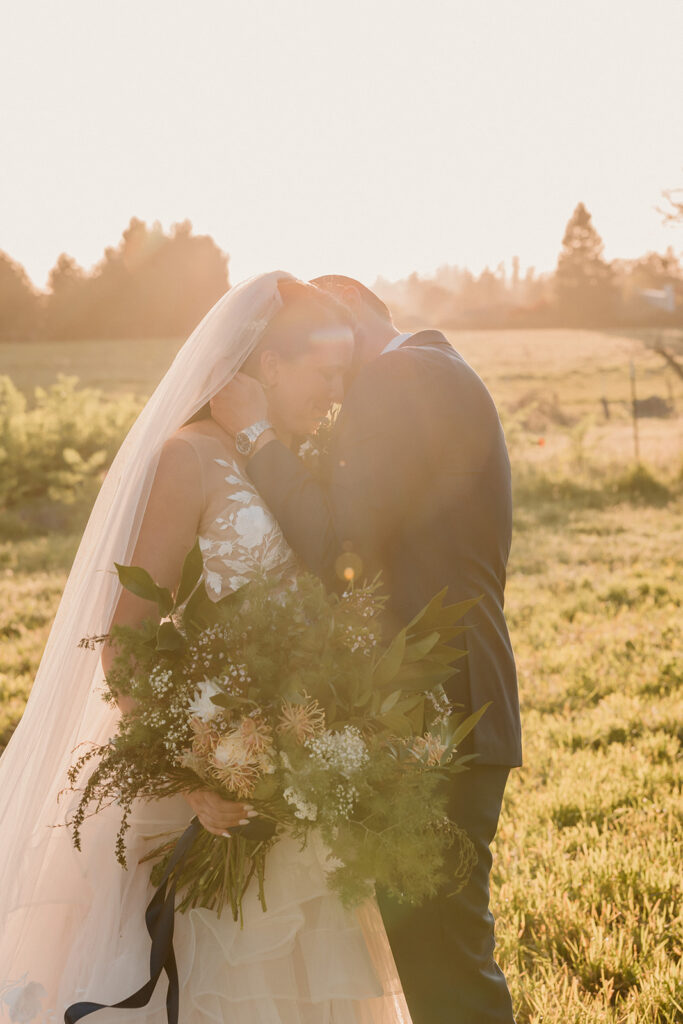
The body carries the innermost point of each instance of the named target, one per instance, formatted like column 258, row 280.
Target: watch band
column 247, row 438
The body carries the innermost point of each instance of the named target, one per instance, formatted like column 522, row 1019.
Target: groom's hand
column 239, row 404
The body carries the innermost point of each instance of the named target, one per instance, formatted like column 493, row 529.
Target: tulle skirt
column 305, row 960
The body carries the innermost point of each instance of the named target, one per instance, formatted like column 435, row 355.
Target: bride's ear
column 269, row 368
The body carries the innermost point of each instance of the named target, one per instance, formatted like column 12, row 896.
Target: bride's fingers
column 220, row 827
column 212, row 806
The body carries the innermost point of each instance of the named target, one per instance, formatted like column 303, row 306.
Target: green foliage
column 285, row 696
column 59, row 449
column 554, row 492
column 588, row 865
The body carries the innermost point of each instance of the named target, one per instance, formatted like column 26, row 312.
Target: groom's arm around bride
column 418, row 487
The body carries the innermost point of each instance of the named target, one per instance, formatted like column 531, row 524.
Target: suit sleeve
column 347, row 519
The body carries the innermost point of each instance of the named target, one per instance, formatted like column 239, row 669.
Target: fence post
column 634, row 409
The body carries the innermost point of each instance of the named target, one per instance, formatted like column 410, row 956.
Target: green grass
column 588, row 859
column 589, row 864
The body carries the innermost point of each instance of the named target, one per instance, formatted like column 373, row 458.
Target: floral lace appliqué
column 244, row 541
column 23, row 1000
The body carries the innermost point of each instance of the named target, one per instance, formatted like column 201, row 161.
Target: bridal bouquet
column 289, row 698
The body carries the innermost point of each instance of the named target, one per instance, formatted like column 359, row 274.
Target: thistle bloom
column 205, row 738
column 242, row 755
column 301, row 721
column 428, row 748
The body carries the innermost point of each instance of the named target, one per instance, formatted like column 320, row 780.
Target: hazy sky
column 365, row 137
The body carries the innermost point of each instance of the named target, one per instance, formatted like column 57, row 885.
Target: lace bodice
column 239, row 537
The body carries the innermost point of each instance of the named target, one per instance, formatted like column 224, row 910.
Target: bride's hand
column 216, row 814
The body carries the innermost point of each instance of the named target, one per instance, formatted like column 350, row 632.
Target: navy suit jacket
column 417, row 486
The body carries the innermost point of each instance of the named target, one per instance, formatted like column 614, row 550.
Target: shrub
column 51, row 452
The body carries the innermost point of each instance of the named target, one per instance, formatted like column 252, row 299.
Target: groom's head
column 371, row 320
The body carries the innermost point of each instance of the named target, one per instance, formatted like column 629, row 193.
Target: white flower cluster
column 440, row 703
column 171, row 723
column 359, row 639
column 344, row 751
column 303, row 808
column 160, row 681
column 346, row 797
column 206, row 654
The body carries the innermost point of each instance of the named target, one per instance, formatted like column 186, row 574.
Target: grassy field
column 589, row 859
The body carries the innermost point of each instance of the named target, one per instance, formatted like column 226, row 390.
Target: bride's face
column 301, row 389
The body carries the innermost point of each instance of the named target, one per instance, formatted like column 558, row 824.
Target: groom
column 419, row 488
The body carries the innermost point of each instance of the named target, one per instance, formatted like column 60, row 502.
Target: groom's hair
column 334, row 284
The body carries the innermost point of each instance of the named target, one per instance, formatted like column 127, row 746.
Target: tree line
column 151, row 284
column 584, row 290
column 154, row 284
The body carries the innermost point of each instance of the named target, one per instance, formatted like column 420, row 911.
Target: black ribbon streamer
column 159, row 921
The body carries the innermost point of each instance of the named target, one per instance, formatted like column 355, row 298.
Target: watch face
column 243, row 443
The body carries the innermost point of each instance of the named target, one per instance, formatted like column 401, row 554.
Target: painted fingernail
column 226, row 834
column 244, row 821
column 252, row 814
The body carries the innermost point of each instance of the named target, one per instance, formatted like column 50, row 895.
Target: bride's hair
column 304, row 308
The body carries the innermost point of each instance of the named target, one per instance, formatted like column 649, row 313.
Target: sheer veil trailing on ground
column 42, row 892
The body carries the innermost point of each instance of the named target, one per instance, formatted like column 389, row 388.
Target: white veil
column 40, row 890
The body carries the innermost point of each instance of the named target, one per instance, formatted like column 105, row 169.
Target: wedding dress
column 72, row 923
column 305, row 960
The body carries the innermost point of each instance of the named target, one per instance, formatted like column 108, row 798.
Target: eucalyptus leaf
column 390, row 662
column 139, row 582
column 422, row 677
column 419, row 649
column 168, row 638
column 396, row 723
column 193, row 567
column 389, row 702
column 468, row 725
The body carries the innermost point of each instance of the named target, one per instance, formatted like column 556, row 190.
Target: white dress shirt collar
column 396, row 342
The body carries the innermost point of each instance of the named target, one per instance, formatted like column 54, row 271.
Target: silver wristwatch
column 246, row 439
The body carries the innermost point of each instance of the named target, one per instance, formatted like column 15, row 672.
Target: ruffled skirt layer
column 305, row 960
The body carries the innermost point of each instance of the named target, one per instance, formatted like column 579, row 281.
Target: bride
column 72, row 924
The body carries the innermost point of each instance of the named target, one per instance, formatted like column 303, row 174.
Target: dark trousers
column 444, row 949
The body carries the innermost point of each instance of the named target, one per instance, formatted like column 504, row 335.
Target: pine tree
column 583, row 281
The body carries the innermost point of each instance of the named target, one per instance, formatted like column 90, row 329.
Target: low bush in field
column 52, row 452
column 592, row 487
column 53, row 457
